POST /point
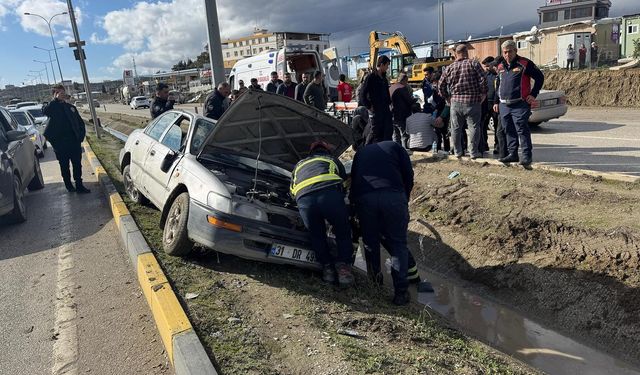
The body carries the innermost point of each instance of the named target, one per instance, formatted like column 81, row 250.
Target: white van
column 289, row 59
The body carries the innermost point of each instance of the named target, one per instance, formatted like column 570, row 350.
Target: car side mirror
column 16, row 135
column 168, row 160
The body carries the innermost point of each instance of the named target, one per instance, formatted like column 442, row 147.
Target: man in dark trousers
column 161, row 103
column 272, row 86
column 515, row 95
column 375, row 96
column 65, row 132
column 288, row 87
column 317, row 186
column 402, row 101
column 381, row 182
column 215, row 104
column 489, row 66
column 299, row 92
column 315, row 94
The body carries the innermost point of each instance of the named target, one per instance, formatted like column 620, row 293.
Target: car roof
column 39, row 106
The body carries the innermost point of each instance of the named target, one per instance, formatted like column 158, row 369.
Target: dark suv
column 19, row 168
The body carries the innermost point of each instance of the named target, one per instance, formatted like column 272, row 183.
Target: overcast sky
column 159, row 33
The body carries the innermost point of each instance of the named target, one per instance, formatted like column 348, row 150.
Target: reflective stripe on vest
column 331, row 176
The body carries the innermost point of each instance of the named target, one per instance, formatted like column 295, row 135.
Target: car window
column 173, row 138
column 22, row 118
column 36, row 112
column 9, row 123
column 156, row 129
column 203, row 128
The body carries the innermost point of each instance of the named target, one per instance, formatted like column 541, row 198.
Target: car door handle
column 137, row 142
column 153, row 152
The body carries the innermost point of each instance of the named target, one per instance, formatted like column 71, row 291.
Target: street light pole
column 215, row 46
column 53, row 43
column 53, row 71
column 45, row 69
column 83, row 67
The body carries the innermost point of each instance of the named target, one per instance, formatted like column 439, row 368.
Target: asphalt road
column 599, row 139
column 70, row 301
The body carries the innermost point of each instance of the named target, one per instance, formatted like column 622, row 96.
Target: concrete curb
column 619, row 177
column 186, row 353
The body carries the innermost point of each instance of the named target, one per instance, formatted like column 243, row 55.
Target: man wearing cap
column 317, row 186
column 515, row 95
column 464, row 85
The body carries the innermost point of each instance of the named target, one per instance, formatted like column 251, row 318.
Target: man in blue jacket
column 381, row 182
column 515, row 95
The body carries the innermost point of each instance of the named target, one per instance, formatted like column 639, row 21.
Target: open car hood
column 287, row 128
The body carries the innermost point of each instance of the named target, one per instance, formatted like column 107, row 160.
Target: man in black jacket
column 161, row 103
column 215, row 105
column 402, row 101
column 272, row 86
column 65, row 132
column 375, row 96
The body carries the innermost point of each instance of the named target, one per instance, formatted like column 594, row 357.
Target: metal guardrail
column 121, row 136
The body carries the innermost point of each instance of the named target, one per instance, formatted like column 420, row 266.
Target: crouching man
column 317, row 186
column 381, row 182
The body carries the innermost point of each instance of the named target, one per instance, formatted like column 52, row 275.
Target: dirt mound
column 542, row 243
column 597, row 87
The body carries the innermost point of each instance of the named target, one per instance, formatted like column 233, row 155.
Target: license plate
column 290, row 252
column 549, row 102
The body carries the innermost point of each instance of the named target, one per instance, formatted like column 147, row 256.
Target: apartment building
column 561, row 12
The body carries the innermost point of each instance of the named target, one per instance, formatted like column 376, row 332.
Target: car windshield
column 21, row 117
column 36, row 112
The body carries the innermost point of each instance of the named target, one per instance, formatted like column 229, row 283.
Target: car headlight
column 249, row 211
column 219, row 202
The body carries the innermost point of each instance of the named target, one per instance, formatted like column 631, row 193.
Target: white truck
column 288, row 59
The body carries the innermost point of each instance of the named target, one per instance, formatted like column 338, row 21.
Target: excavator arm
column 394, row 40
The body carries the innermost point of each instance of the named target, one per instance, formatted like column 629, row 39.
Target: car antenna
column 254, row 190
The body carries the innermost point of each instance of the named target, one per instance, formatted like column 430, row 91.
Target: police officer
column 381, row 182
column 316, row 184
column 162, row 103
column 516, row 97
column 65, row 132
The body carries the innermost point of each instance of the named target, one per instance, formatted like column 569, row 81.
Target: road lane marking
column 608, row 138
column 65, row 346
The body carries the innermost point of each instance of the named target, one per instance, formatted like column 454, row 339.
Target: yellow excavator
column 405, row 59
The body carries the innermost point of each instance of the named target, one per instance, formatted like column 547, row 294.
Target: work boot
column 328, row 274
column 511, row 158
column 401, row 298
column 345, row 277
column 80, row 189
column 69, row 186
column 525, row 162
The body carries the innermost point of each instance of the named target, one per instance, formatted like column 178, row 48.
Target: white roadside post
column 79, row 54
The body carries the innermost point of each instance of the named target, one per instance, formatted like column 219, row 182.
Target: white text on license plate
column 290, row 252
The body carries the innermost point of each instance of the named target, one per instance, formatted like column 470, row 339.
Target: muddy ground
column 563, row 250
column 256, row 318
column 600, row 87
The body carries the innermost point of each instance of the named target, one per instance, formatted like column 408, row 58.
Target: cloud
column 44, row 8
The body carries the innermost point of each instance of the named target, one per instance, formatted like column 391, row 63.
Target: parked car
column 25, row 104
column 27, row 123
column 551, row 104
column 19, row 168
column 140, row 102
column 225, row 184
column 36, row 111
column 11, row 106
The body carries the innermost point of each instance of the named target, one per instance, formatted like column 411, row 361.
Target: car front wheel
column 37, row 182
column 175, row 240
column 19, row 213
column 133, row 193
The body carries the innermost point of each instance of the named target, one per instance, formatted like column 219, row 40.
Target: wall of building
column 629, row 31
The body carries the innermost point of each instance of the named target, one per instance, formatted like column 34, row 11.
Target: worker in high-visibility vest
column 317, row 186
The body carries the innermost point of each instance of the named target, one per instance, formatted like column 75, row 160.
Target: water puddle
column 512, row 333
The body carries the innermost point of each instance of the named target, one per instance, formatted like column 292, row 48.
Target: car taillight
column 562, row 100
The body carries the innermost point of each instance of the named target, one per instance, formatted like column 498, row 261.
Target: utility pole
column 135, row 71
column 45, row 69
column 81, row 57
column 215, row 45
column 441, row 11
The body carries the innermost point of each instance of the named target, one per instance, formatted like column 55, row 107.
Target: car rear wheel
column 133, row 193
column 37, row 182
column 19, row 213
column 175, row 240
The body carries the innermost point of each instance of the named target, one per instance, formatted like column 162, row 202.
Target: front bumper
column 253, row 242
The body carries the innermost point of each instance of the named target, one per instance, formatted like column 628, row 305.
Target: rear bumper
column 548, row 113
column 253, row 242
